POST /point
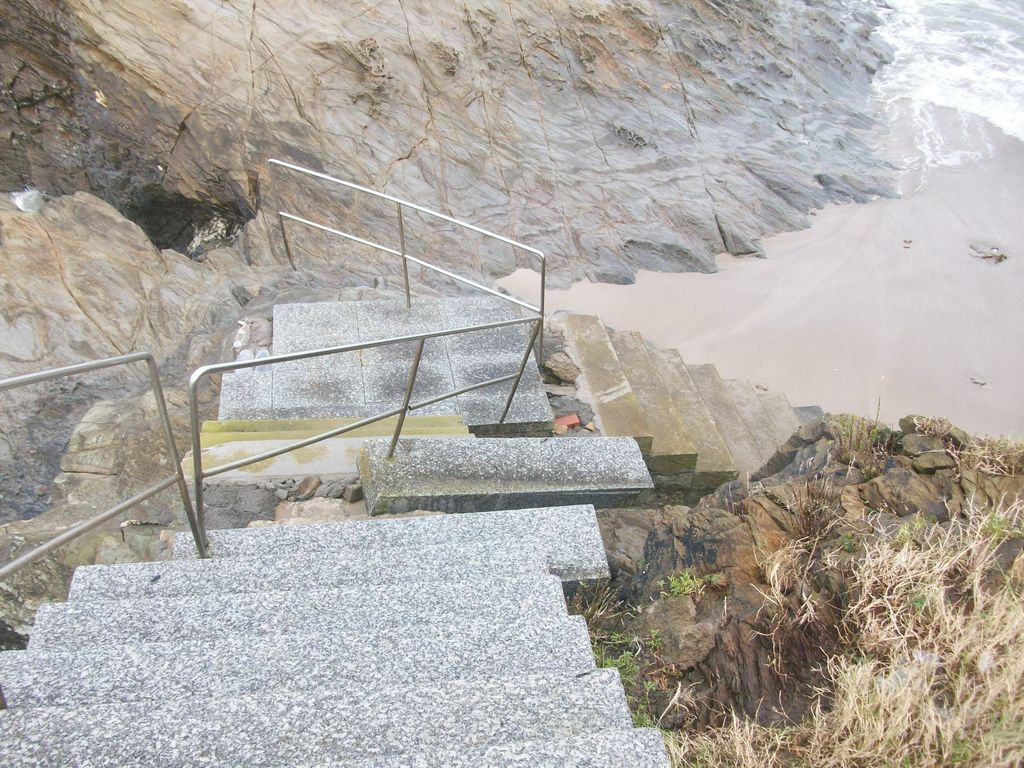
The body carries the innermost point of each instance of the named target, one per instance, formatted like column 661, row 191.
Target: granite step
column 603, row 382
column 273, row 727
column 760, row 427
column 235, row 665
column 726, row 415
column 638, row 748
column 673, row 451
column 307, row 611
column 715, row 464
column 455, row 475
column 371, row 381
column 567, row 537
column 469, row 561
column 780, row 411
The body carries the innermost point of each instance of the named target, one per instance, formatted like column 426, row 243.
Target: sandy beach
column 876, row 308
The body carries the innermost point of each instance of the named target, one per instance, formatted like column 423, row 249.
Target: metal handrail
column 177, row 478
column 199, row 474
column 402, row 253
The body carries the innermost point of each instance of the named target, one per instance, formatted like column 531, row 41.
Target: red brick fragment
column 569, row 420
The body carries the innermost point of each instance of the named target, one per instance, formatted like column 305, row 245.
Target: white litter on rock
column 28, row 200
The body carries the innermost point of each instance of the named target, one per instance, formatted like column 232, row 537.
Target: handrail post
column 197, row 467
column 522, row 368
column 172, row 450
column 543, row 281
column 405, row 261
column 408, row 396
column 280, row 218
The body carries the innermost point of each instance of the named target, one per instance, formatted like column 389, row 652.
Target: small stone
column 932, row 461
column 353, row 492
column 915, row 445
column 332, row 490
column 560, row 390
column 281, row 494
column 305, row 490
column 560, row 429
column 589, row 426
column 569, row 420
column 561, row 366
column 908, row 424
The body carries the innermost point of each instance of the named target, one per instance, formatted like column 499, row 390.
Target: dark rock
column 915, row 445
column 333, row 489
column 353, row 492
column 928, row 463
column 560, row 365
column 305, row 489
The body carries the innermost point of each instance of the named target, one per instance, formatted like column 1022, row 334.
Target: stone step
column 638, row 748
column 469, row 561
column 603, row 382
column 306, row 611
column 373, row 380
column 781, row 413
column 236, row 665
column 331, row 459
column 715, row 464
column 275, row 728
column 456, row 475
column 218, row 432
column 673, row 451
column 566, row 537
column 726, row 415
column 760, row 426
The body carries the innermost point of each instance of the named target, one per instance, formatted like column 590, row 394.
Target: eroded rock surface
column 737, row 600
column 613, row 136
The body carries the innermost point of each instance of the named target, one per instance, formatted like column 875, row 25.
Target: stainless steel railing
column 195, row 512
column 402, row 252
column 177, row 478
column 199, row 474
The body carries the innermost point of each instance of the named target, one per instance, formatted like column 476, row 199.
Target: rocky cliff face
column 736, row 604
column 613, row 136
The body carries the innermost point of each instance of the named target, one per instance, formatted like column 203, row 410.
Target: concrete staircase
column 428, row 641
column 695, row 429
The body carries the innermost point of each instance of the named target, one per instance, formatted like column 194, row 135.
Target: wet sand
column 849, row 316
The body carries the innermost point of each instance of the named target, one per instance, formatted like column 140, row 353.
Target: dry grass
column 932, row 672
column 991, row 455
column 862, row 443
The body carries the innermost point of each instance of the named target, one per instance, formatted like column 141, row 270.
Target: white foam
column 966, row 55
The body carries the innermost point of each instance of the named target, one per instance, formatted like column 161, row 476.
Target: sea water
column 958, row 69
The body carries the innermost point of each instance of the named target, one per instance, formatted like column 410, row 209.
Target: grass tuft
column 931, row 671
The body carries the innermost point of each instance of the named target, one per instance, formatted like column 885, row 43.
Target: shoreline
column 848, row 316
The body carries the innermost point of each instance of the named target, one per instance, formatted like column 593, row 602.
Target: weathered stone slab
column 603, row 383
column 760, row 427
column 715, row 464
column 781, row 413
column 672, row 449
column 727, row 418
